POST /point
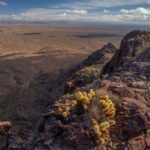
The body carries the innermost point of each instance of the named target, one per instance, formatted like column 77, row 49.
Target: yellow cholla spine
column 74, row 103
column 107, row 106
column 104, row 125
column 112, row 122
column 65, row 112
column 109, row 110
column 96, row 128
column 94, row 122
column 100, row 131
column 101, row 140
column 60, row 109
column 83, row 98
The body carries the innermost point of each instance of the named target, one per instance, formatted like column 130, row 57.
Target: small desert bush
column 98, row 111
column 87, row 74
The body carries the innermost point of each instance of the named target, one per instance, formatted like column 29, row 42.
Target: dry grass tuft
column 114, row 98
column 94, row 111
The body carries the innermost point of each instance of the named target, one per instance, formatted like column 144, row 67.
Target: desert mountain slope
column 128, row 80
column 35, row 62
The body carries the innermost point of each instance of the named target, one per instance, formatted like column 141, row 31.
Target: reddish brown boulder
column 123, row 90
column 53, row 127
column 147, row 141
column 136, row 143
column 134, row 118
column 75, row 136
column 118, row 88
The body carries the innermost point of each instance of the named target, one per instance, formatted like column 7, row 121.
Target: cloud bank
column 133, row 16
column 92, row 4
column 88, row 11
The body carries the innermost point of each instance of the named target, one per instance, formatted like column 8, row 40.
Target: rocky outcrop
column 144, row 56
column 130, row 79
column 98, row 56
column 131, row 47
column 90, row 69
column 130, row 132
column 135, row 72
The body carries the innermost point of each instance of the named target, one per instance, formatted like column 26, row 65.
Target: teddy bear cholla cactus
column 65, row 112
column 81, row 98
column 107, row 106
column 101, row 130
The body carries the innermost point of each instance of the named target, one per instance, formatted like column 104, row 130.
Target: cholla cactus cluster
column 83, row 98
column 80, row 98
column 107, row 106
column 99, row 127
column 65, row 112
column 101, row 130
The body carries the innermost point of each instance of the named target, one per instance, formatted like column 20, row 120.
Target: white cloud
column 76, row 11
column 3, row 3
column 132, row 16
column 64, row 14
column 140, row 10
column 46, row 15
column 92, row 4
column 106, row 11
column 139, row 15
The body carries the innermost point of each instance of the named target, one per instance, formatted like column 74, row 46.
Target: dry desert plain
column 34, row 63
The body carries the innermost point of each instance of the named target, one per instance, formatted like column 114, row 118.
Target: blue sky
column 106, row 11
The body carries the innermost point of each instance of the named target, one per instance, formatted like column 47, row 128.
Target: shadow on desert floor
column 99, row 35
column 29, row 85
